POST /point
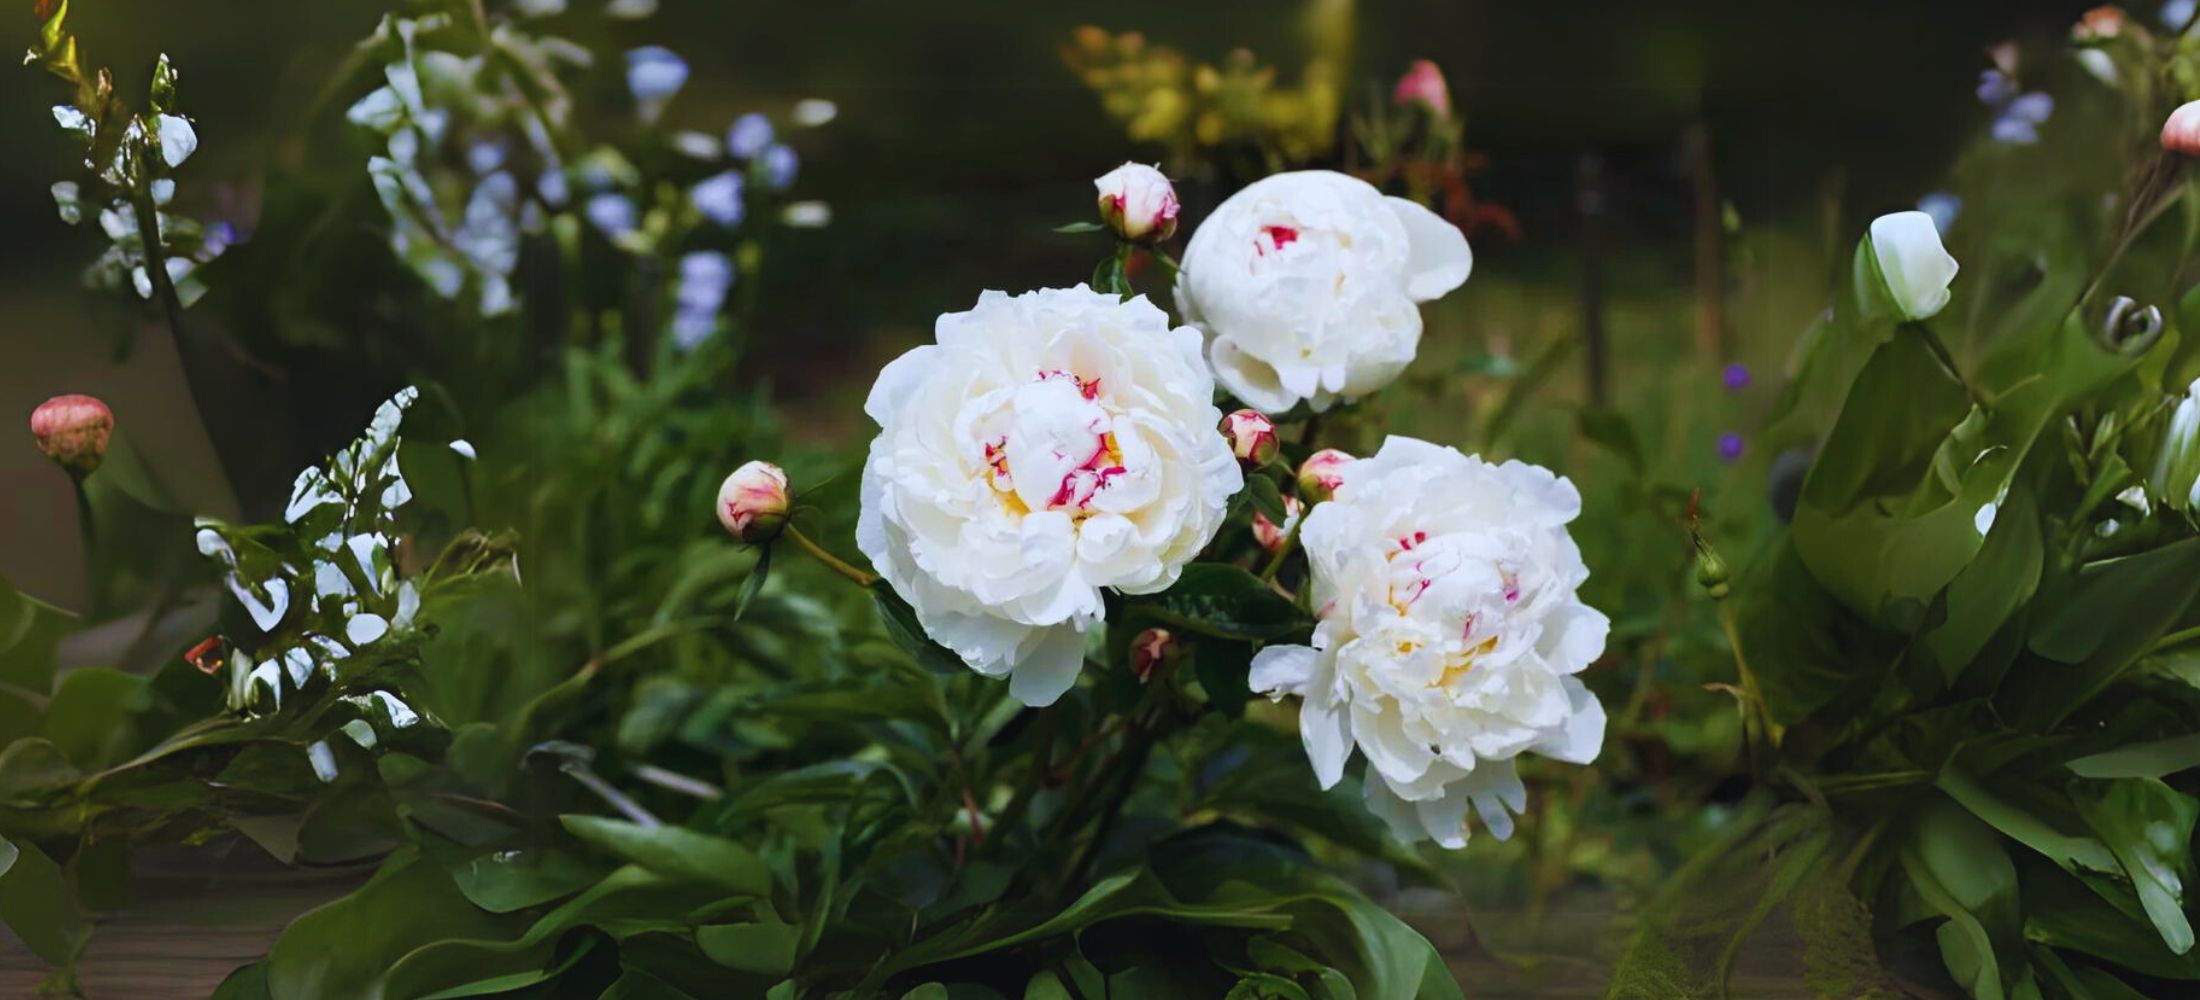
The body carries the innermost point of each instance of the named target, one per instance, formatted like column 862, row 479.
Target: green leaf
column 2050, row 827
column 349, row 948
column 1223, row 601
column 1223, row 667
column 1960, row 868
column 89, row 718
column 908, row 633
column 1046, row 986
column 2113, row 613
column 505, row 881
column 1990, row 589
column 678, row 853
column 36, row 904
column 2149, row 827
column 1264, row 497
column 2141, row 760
column 1108, row 276
column 754, row 585
column 1079, row 227
column 766, row 949
column 2065, row 913
column 31, row 765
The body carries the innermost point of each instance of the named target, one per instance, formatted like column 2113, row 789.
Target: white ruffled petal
column 1437, row 256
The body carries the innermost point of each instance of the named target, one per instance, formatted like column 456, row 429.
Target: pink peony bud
column 1138, row 203
column 1322, row 473
column 1150, row 649
column 1271, row 535
column 1252, row 437
column 1423, row 84
column 752, row 503
column 73, row 431
column 2181, row 134
column 2099, row 24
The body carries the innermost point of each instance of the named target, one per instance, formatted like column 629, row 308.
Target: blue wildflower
column 780, row 167
column 750, row 135
column 718, row 197
column 1943, row 207
column 705, row 278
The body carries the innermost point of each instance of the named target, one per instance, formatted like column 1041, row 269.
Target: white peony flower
column 1916, row 267
column 1450, row 633
column 1049, row 445
column 1306, row 283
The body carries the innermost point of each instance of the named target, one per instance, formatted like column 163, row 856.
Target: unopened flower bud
column 752, row 503
column 1252, row 437
column 2177, row 465
column 1424, row 85
column 2181, row 133
column 1151, row 649
column 1271, row 535
column 2099, row 24
column 1322, row 473
column 73, row 430
column 1915, row 268
column 1710, row 570
column 1138, row 203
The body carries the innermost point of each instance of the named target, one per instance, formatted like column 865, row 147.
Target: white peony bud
column 2181, row 133
column 752, row 503
column 1271, row 535
column 1252, row 437
column 1322, row 473
column 1916, row 268
column 1138, row 203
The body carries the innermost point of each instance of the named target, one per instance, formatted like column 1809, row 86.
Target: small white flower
column 1916, row 267
column 1450, row 633
column 1306, row 286
column 1137, row 202
column 811, row 112
column 1049, row 445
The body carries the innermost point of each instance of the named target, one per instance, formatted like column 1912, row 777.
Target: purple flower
column 705, row 277
column 2020, row 120
column 1730, row 446
column 719, row 198
column 780, row 166
column 1736, row 377
column 748, row 137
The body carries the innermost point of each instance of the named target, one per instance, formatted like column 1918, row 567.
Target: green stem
column 831, row 561
column 1290, row 541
